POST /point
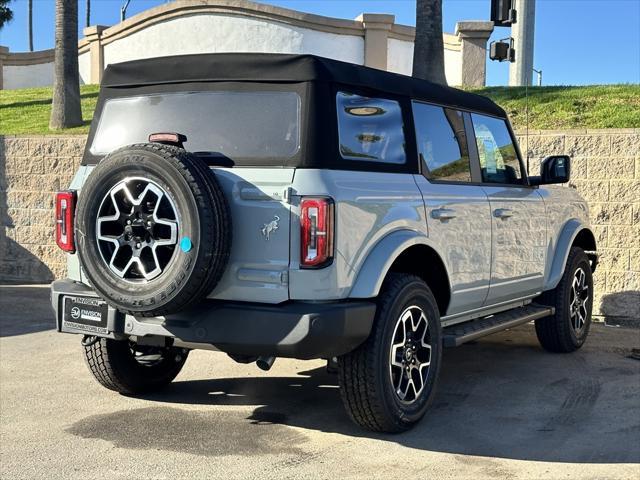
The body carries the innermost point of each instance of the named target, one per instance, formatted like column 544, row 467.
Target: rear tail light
column 65, row 210
column 316, row 232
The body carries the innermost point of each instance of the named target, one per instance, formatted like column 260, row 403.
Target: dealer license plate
column 85, row 313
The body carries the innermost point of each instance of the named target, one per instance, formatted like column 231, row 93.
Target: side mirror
column 554, row 169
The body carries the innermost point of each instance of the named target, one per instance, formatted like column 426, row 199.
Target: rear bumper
column 295, row 329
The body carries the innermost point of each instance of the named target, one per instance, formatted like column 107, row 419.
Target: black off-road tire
column 205, row 221
column 365, row 383
column 556, row 333
column 114, row 366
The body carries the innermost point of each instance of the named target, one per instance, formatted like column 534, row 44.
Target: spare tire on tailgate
column 153, row 229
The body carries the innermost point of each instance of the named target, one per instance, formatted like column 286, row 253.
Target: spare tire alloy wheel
column 137, row 229
column 153, row 229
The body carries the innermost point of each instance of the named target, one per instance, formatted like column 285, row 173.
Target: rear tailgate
column 259, row 261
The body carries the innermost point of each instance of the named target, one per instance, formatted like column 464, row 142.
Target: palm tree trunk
column 88, row 19
column 65, row 110
column 31, row 25
column 428, row 51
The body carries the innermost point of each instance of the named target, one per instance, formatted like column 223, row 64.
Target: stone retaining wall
column 606, row 171
column 31, row 170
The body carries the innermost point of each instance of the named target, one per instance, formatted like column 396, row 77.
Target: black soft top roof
column 272, row 67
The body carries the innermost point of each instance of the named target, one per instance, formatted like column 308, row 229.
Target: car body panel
column 259, row 259
column 567, row 214
column 518, row 242
column 368, row 207
column 463, row 242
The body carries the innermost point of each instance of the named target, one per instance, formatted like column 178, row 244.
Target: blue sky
column 577, row 41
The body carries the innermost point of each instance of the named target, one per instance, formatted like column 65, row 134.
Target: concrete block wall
column 32, row 169
column 606, row 171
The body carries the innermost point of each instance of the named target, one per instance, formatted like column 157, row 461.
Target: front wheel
column 388, row 383
column 128, row 368
column 567, row 329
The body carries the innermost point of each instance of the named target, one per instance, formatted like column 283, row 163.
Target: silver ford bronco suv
column 294, row 206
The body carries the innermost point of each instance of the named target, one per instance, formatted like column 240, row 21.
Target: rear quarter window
column 442, row 142
column 370, row 129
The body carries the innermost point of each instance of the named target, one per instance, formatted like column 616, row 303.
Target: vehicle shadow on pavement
column 25, row 309
column 501, row 397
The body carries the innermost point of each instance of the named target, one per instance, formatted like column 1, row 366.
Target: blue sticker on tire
column 185, row 244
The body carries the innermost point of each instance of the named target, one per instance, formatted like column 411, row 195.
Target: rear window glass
column 236, row 125
column 370, row 129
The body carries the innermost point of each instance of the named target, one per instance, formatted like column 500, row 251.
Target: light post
column 123, row 10
column 539, row 73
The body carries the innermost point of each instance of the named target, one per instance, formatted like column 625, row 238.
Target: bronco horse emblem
column 270, row 227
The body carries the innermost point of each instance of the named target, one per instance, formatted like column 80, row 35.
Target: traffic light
column 502, row 13
column 502, row 51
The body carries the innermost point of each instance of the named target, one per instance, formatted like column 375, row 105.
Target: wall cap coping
column 165, row 11
column 94, row 31
column 378, row 21
column 28, row 58
column 474, row 29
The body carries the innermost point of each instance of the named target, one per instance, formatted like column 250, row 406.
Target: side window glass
column 498, row 159
column 370, row 129
column 442, row 142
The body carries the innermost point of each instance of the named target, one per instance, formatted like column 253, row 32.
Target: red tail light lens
column 65, row 210
column 316, row 232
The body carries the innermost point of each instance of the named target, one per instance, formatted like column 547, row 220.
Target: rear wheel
column 567, row 329
column 388, row 383
column 126, row 367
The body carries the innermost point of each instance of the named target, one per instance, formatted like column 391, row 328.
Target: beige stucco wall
column 213, row 33
column 84, row 66
column 400, row 60
column 606, row 171
column 27, row 76
column 211, row 26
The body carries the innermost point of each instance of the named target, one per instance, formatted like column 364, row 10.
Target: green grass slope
column 26, row 111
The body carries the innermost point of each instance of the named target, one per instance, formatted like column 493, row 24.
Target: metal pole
column 521, row 71
column 539, row 73
column 123, row 11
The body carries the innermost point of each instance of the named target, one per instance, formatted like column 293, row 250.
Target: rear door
column 259, row 261
column 518, row 223
column 457, row 211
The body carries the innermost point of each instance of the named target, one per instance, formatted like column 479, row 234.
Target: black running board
column 456, row 335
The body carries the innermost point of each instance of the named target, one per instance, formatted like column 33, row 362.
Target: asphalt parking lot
column 504, row 409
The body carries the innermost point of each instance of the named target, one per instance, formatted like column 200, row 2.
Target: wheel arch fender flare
column 566, row 240
column 379, row 260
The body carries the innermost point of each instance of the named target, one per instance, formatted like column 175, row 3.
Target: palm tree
column 31, row 25
column 6, row 15
column 428, row 51
column 65, row 110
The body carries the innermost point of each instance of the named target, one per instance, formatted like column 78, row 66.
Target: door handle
column 503, row 213
column 443, row 214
